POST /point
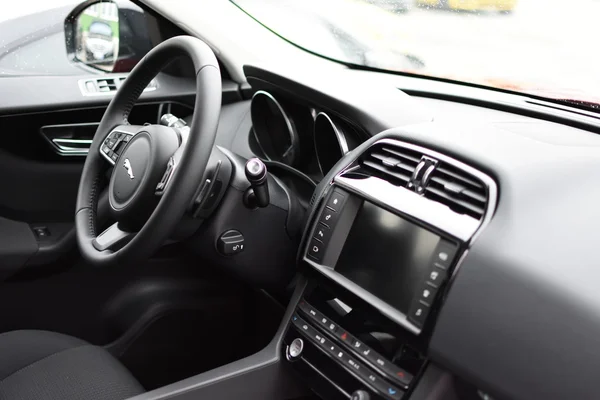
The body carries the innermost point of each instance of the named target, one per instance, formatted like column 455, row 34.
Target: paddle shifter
column 256, row 172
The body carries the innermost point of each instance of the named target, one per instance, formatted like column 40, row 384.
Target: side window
column 63, row 38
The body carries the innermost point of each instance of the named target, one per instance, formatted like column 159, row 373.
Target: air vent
column 441, row 181
column 107, row 85
column 459, row 190
column 393, row 164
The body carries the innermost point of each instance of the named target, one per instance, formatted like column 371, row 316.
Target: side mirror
column 107, row 36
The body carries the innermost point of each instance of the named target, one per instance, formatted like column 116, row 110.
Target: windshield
column 545, row 48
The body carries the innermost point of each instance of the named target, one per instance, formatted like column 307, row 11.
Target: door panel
column 40, row 169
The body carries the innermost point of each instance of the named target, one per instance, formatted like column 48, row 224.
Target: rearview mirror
column 107, row 37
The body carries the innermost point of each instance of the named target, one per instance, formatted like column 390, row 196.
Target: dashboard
column 439, row 234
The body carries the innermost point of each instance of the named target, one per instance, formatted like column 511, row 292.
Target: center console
column 385, row 238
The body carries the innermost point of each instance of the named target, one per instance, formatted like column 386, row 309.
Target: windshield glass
column 545, row 48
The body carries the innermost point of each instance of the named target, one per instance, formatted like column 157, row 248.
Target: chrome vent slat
column 405, row 154
column 389, row 162
column 459, row 190
column 394, row 165
column 387, row 172
column 465, row 191
column 462, row 206
column 457, row 175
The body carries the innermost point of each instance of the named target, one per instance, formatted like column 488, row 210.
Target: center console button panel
column 328, row 217
column 327, row 221
column 336, row 201
column 353, row 353
column 443, row 257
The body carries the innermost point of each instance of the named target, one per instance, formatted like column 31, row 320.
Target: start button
column 295, row 349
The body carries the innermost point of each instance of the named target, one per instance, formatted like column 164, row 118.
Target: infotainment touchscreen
column 386, row 255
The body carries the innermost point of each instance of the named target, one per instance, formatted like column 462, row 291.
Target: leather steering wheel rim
column 191, row 166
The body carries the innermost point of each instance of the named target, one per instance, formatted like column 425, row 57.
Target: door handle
column 70, row 139
column 74, row 147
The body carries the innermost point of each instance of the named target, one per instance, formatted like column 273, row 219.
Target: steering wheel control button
column 444, row 254
column 164, row 181
column 110, row 142
column 295, row 349
column 231, row 243
column 315, row 250
column 418, row 313
column 336, row 201
column 360, row 395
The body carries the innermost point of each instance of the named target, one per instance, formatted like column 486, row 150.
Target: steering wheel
column 158, row 172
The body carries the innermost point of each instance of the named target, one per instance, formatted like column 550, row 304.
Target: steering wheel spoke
column 166, row 178
column 113, row 238
column 114, row 143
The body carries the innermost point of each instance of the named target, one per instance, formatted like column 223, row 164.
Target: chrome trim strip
column 405, row 201
column 61, row 144
column 427, row 174
column 341, row 139
column 288, row 123
column 68, row 147
column 489, row 183
column 387, row 310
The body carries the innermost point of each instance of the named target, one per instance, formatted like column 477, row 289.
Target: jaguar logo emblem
column 127, row 166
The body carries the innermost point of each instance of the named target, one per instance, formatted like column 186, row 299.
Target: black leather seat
column 48, row 365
